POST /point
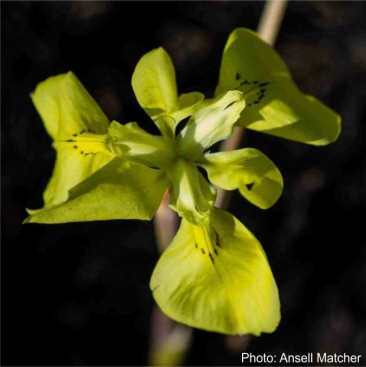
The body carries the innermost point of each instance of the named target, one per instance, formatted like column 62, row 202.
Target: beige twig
column 271, row 19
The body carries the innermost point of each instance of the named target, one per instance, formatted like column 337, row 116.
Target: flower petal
column 131, row 141
column 217, row 277
column 274, row 104
column 188, row 104
column 119, row 190
column 250, row 171
column 67, row 108
column 73, row 165
column 192, row 197
column 213, row 121
column 154, row 84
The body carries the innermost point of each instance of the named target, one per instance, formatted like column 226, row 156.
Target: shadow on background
column 72, row 294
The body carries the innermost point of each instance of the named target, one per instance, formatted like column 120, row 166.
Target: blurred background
column 78, row 294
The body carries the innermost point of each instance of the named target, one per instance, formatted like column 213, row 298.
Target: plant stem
column 271, row 19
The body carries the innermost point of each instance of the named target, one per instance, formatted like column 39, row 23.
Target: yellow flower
column 215, row 274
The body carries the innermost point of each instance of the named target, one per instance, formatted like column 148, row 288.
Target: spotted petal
column 248, row 170
column 119, row 190
column 274, row 104
column 67, row 109
column 216, row 277
column 78, row 126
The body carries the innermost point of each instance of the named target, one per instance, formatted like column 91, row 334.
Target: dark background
column 77, row 294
